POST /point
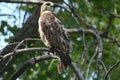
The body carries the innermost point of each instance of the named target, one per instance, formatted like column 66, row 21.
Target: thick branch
column 37, row 59
column 24, row 1
column 29, row 63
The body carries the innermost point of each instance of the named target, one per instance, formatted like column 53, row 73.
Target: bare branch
column 80, row 30
column 77, row 71
column 31, row 1
column 27, row 39
column 113, row 67
column 29, row 63
column 104, row 68
column 90, row 62
column 19, row 51
column 24, row 1
column 7, row 15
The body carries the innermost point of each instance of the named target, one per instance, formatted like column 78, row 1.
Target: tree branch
column 24, row 1
column 104, row 68
column 35, row 60
column 19, row 51
column 90, row 62
column 30, row 1
column 77, row 71
column 29, row 63
column 10, row 56
column 113, row 67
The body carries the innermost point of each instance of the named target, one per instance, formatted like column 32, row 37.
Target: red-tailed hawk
column 54, row 35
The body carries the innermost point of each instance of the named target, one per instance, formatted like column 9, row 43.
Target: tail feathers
column 61, row 67
column 65, row 60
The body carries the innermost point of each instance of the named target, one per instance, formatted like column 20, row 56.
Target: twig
column 7, row 15
column 104, row 68
column 27, row 39
column 113, row 67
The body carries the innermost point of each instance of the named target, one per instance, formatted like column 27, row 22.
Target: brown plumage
column 54, row 35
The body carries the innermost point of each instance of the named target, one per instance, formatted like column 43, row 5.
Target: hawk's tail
column 65, row 60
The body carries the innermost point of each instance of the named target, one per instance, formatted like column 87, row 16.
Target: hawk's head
column 47, row 6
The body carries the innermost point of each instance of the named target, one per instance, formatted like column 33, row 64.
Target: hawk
column 54, row 35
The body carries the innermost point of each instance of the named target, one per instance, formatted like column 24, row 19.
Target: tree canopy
column 94, row 30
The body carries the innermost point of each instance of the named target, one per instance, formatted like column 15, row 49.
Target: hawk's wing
column 53, row 33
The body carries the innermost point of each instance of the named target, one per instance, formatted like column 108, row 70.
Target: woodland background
column 94, row 29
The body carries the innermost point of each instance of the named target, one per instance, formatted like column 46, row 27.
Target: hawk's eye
column 48, row 4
